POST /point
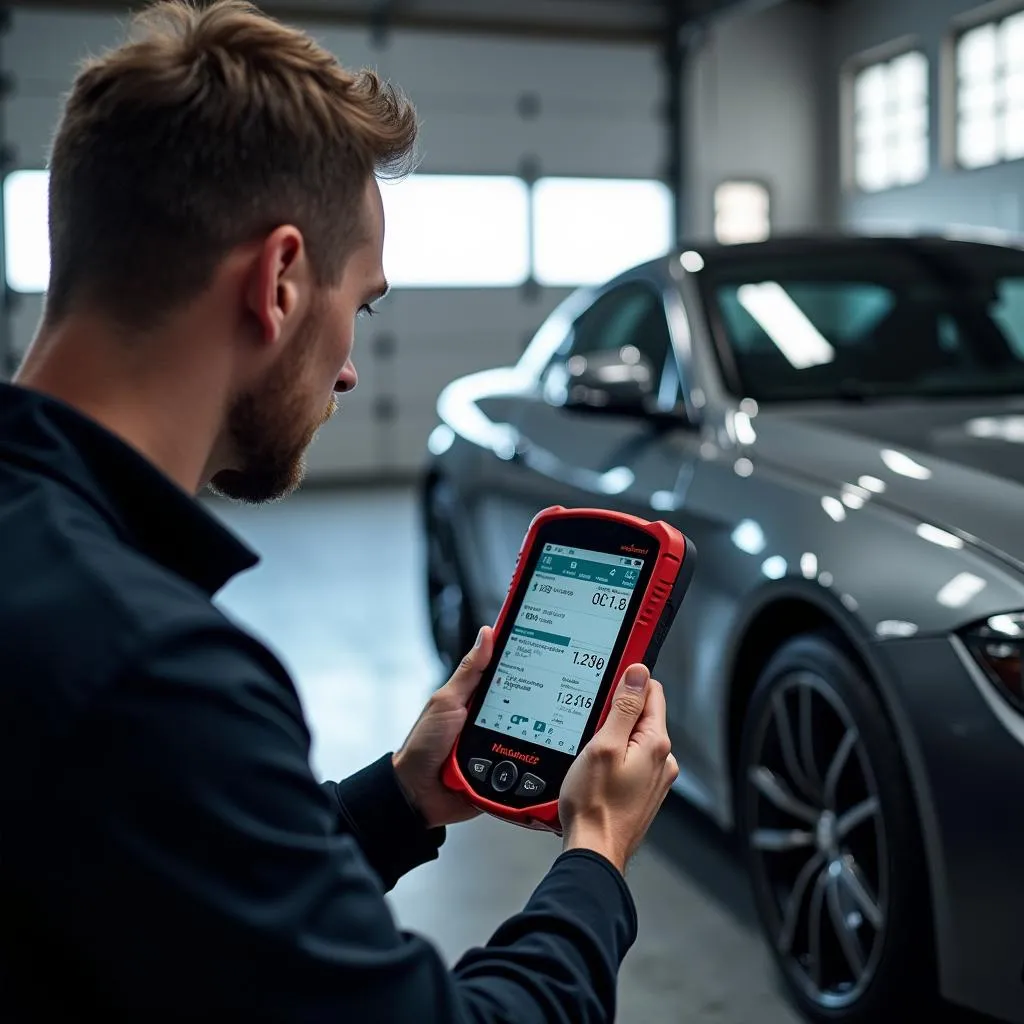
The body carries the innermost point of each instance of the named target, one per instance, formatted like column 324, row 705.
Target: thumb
column 628, row 705
column 465, row 678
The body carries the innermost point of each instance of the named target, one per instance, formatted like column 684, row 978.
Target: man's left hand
column 418, row 763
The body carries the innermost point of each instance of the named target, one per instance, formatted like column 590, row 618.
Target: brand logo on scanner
column 508, row 752
column 633, row 549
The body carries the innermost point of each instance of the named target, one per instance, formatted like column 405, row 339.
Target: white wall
column 599, row 115
column 990, row 197
column 754, row 112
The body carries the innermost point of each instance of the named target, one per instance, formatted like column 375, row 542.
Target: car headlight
column 998, row 645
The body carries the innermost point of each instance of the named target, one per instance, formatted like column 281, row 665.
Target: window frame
column 851, row 69
column 994, row 13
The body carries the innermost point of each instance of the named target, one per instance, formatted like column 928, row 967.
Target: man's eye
column 366, row 310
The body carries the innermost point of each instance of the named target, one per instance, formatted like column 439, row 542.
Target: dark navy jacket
column 165, row 852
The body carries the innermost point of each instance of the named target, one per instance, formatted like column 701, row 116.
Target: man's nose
column 347, row 379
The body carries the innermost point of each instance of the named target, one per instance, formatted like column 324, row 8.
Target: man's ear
column 276, row 284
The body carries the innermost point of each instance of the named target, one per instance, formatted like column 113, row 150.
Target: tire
column 453, row 621
column 830, row 830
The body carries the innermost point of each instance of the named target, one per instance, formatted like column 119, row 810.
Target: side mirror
column 620, row 381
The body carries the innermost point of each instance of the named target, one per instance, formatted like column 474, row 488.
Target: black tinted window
column 629, row 320
column 904, row 319
column 631, row 315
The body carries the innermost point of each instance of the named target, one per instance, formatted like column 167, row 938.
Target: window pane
column 1012, row 39
column 908, row 79
column 977, row 53
column 26, row 238
column 870, row 88
column 1008, row 312
column 979, row 98
column 1013, row 89
column 882, row 310
column 872, row 131
column 587, row 230
column 632, row 315
column 456, row 231
column 911, row 161
column 910, row 125
column 873, row 169
column 742, row 212
column 977, row 141
column 1013, row 134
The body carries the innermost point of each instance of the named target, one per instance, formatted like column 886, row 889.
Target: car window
column 629, row 316
column 845, row 312
column 856, row 322
column 632, row 314
column 1008, row 312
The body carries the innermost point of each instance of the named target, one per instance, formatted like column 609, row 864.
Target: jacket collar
column 147, row 509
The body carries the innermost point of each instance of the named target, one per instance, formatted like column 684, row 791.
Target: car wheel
column 831, row 837
column 453, row 622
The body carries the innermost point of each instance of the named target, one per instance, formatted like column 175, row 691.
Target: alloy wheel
column 817, row 841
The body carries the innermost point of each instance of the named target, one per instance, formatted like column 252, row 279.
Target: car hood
column 957, row 464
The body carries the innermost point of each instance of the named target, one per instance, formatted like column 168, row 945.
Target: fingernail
column 479, row 638
column 635, row 677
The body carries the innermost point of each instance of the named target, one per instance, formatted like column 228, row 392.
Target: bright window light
column 456, row 231
column 26, row 235
column 990, row 93
column 802, row 344
column 441, row 231
column 742, row 212
column 890, row 122
column 587, row 230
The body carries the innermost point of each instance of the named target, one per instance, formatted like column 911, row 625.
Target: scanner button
column 479, row 767
column 532, row 785
column 504, row 777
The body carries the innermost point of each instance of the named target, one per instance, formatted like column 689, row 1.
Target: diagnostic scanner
column 593, row 592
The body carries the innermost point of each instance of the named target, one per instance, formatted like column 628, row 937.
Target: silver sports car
column 838, row 424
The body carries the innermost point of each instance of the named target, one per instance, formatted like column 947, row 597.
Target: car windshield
column 863, row 321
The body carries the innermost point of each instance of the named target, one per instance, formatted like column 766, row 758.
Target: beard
column 270, row 430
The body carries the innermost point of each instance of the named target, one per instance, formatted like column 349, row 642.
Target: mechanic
column 165, row 851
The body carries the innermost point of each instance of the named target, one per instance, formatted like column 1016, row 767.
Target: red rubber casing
column 666, row 586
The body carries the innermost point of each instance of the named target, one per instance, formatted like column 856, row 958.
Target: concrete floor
column 339, row 597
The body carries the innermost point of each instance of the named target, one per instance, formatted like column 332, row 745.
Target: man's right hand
column 615, row 787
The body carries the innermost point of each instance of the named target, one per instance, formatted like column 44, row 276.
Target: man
column 165, row 852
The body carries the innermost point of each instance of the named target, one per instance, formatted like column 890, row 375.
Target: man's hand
column 615, row 787
column 418, row 763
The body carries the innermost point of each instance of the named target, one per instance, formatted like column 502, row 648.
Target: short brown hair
column 208, row 127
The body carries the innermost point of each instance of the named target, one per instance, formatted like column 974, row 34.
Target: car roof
column 802, row 244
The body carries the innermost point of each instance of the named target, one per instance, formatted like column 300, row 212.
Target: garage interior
column 562, row 141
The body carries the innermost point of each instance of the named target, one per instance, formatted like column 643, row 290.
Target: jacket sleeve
column 391, row 834
column 210, row 880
